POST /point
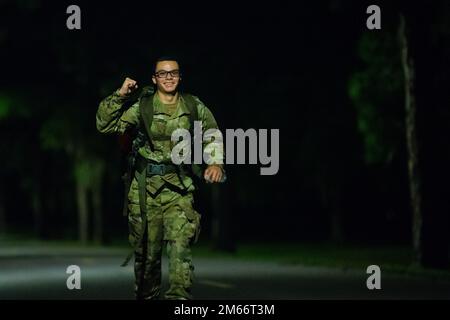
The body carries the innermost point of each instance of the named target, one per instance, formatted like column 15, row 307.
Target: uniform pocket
column 133, row 200
column 194, row 219
column 181, row 221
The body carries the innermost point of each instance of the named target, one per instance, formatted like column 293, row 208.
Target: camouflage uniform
column 170, row 215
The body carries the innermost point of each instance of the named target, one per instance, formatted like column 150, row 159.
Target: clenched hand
column 128, row 86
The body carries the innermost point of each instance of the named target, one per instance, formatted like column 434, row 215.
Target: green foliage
column 12, row 105
column 82, row 172
column 88, row 171
column 65, row 129
column 5, row 106
column 52, row 134
column 29, row 4
column 376, row 92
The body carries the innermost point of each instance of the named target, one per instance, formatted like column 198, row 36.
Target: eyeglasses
column 163, row 73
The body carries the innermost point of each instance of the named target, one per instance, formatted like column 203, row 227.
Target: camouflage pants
column 171, row 221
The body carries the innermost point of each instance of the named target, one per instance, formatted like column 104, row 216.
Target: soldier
column 160, row 196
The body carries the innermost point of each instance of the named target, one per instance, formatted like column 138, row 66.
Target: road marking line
column 217, row 284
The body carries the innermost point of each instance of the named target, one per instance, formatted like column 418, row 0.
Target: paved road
column 39, row 273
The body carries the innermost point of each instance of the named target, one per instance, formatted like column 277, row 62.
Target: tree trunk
column 36, row 202
column 2, row 213
column 330, row 199
column 98, row 215
column 83, row 213
column 337, row 233
column 95, row 184
column 411, row 142
column 222, row 230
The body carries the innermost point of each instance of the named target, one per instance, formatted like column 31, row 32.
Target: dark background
column 333, row 88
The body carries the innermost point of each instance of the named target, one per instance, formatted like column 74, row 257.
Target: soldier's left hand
column 213, row 174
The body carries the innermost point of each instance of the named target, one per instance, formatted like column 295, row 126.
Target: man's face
column 167, row 76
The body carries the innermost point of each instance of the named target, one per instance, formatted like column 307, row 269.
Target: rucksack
column 146, row 113
column 143, row 134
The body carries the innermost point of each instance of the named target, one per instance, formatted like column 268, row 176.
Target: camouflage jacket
column 113, row 117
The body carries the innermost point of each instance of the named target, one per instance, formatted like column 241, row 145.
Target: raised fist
column 128, row 86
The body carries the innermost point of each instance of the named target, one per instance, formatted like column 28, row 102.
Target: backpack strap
column 146, row 112
column 191, row 104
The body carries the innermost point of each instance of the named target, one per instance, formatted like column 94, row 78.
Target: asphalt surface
column 33, row 272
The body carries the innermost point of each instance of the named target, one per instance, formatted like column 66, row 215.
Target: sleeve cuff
column 117, row 97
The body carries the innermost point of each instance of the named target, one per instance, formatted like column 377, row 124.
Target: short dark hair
column 166, row 58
